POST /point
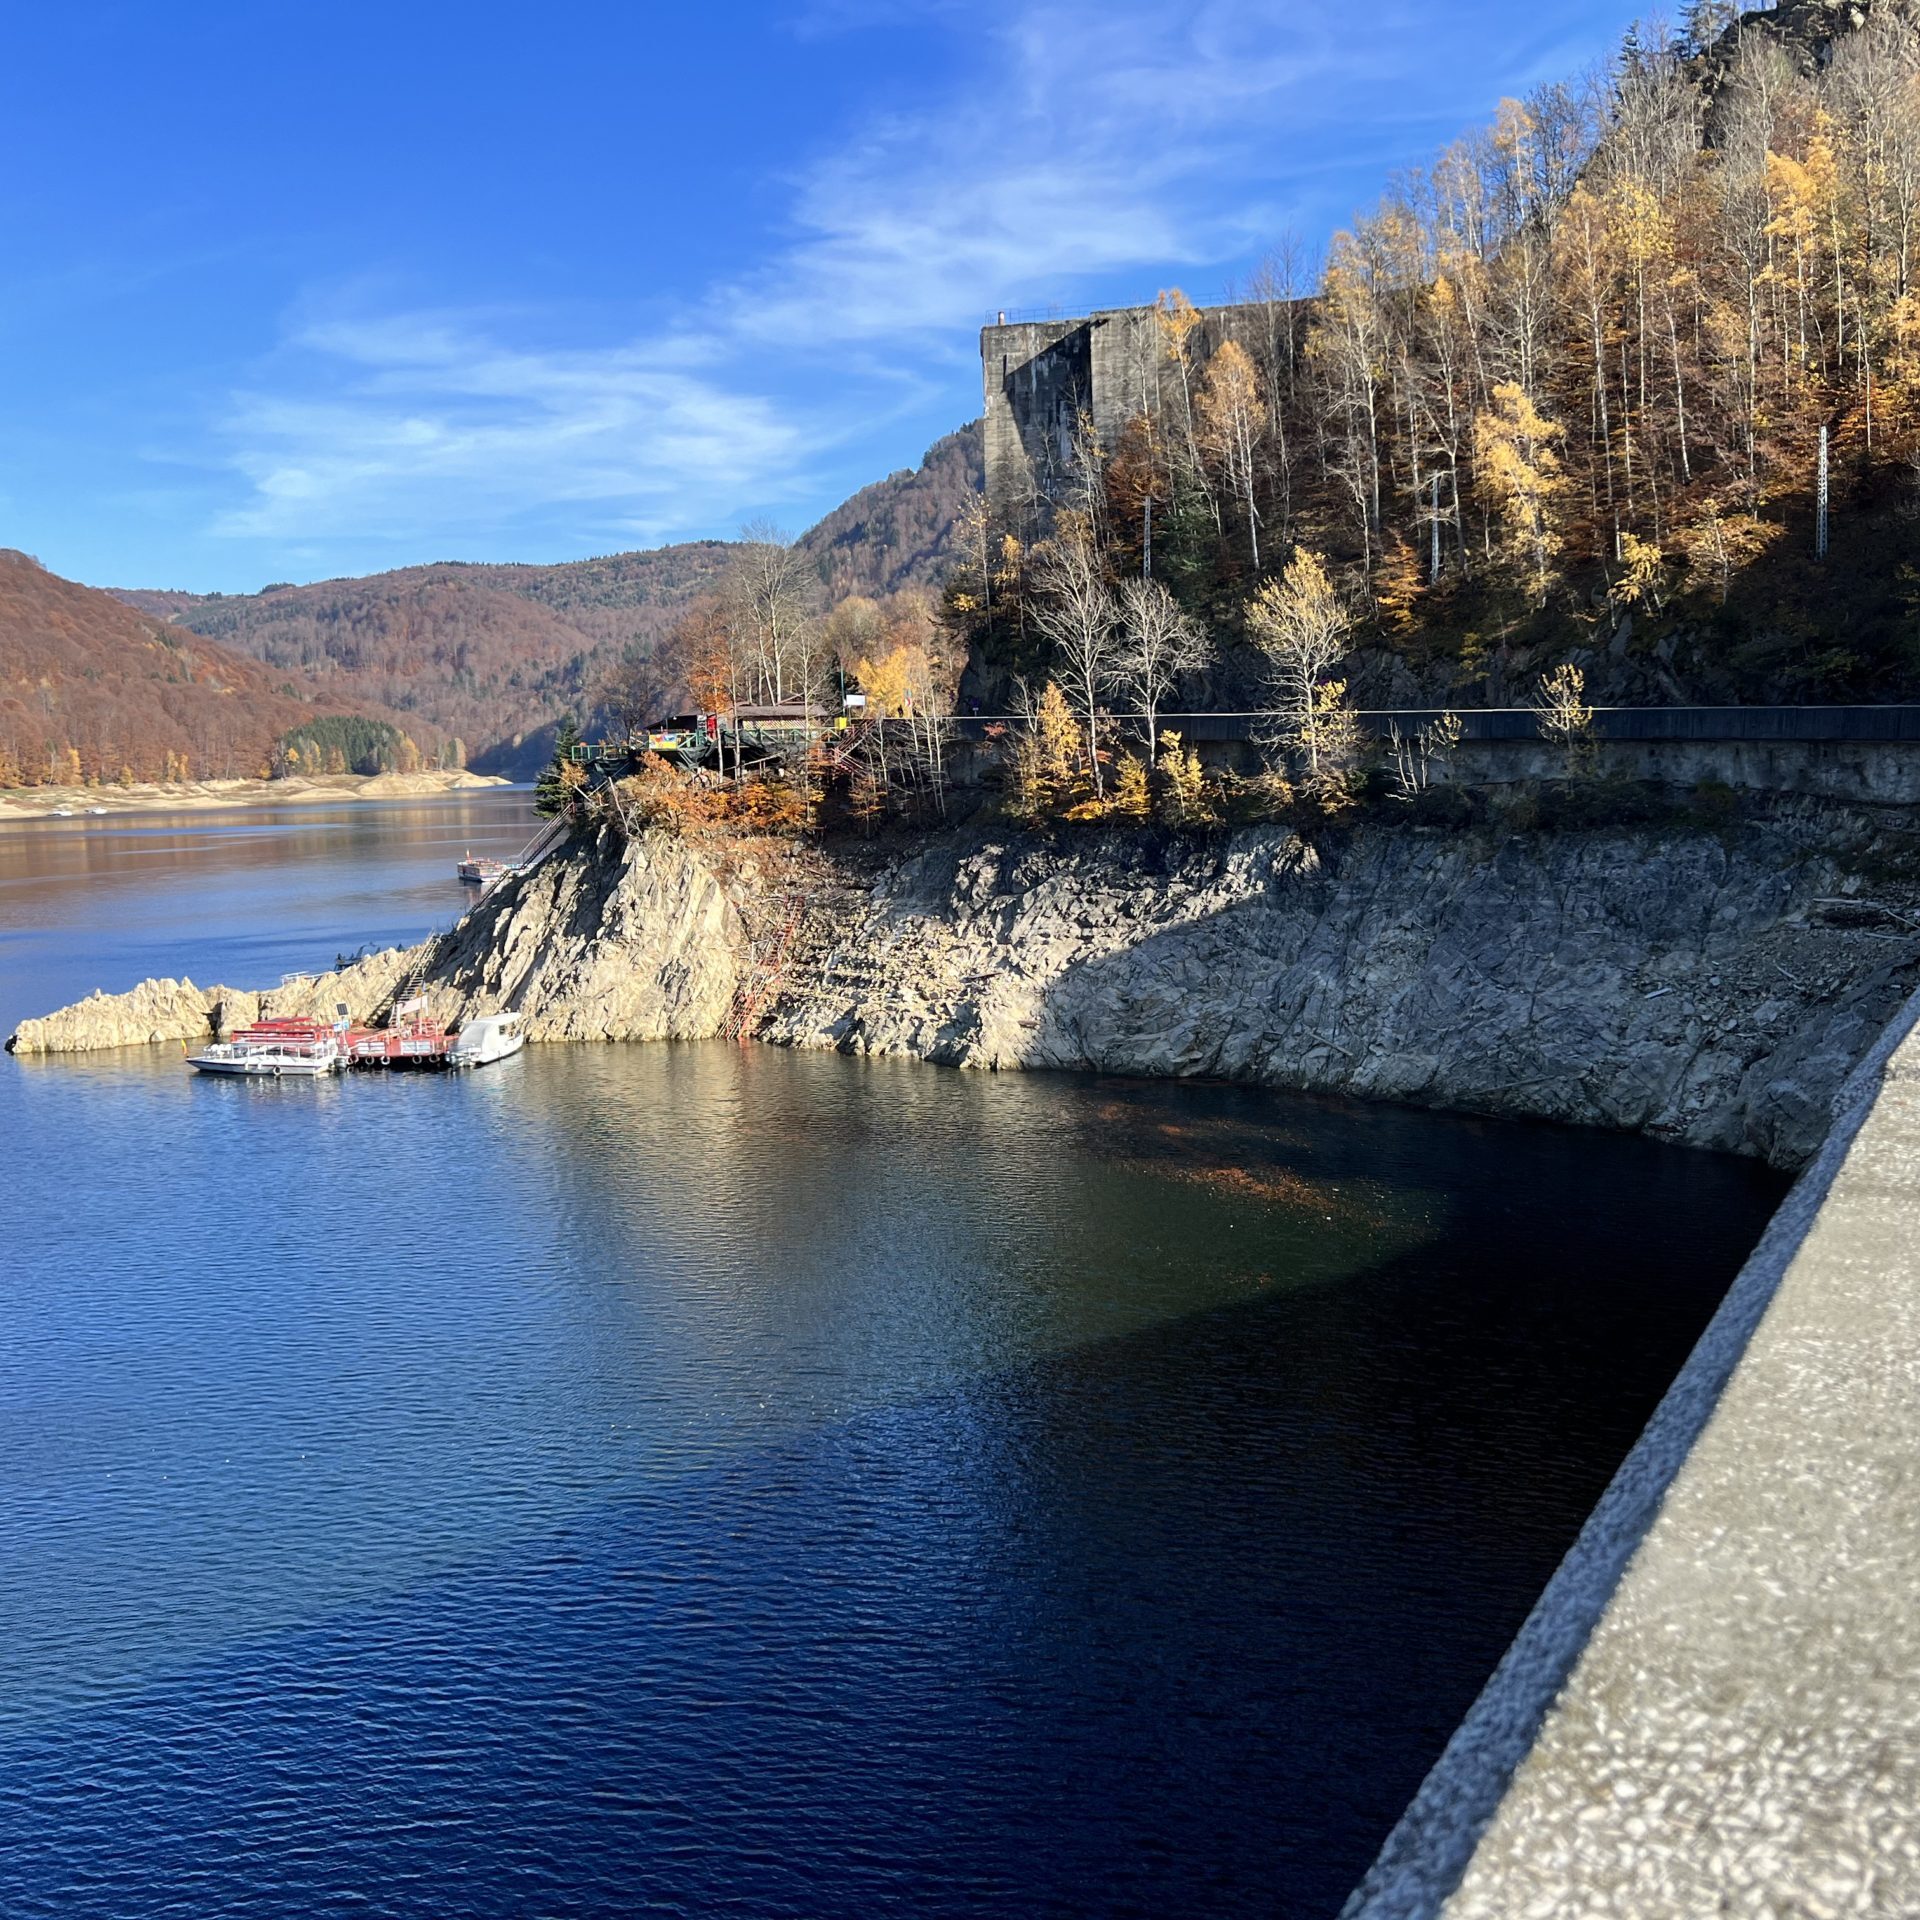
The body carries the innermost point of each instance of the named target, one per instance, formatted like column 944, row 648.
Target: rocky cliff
column 1680, row 982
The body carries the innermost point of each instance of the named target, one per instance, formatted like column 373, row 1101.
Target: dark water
column 693, row 1480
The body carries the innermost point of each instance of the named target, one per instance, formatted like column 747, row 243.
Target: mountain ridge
column 95, row 691
column 492, row 652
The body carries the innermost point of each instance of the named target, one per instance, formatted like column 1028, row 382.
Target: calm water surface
column 695, row 1480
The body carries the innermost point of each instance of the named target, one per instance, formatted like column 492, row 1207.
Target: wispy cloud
column 1082, row 144
column 422, row 423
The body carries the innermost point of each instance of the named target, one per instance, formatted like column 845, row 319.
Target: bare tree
column 633, row 692
column 1159, row 644
column 769, row 601
column 1414, row 755
column 1077, row 615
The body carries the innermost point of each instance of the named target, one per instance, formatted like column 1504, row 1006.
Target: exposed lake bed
column 682, row 1473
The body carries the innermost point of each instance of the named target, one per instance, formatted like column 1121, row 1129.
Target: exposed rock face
column 159, row 1010
column 1670, row 982
column 1670, row 985
column 641, row 941
column 155, row 1010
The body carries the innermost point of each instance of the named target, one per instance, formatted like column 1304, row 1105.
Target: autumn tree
column 1301, row 625
column 1077, row 615
column 1182, row 786
column 1043, row 765
column 855, row 630
column 1233, row 417
column 1132, row 788
column 1522, row 472
column 1179, row 322
column 1561, row 712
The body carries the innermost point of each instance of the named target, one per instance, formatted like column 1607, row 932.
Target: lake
column 709, row 1480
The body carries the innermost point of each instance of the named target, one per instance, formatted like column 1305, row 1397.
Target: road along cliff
column 1699, row 984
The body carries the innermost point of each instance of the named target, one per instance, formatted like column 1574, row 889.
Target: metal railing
column 1858, row 723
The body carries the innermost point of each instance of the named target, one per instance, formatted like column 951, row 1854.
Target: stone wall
column 1039, row 376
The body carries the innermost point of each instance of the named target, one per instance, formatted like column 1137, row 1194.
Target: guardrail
column 1885, row 723
column 1477, row 724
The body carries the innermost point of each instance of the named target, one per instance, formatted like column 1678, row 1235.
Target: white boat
column 480, row 872
column 291, row 1059
column 96, row 809
column 277, row 1050
column 493, row 1036
column 63, row 813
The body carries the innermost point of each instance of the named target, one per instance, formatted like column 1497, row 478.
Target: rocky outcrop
column 1676, row 985
column 167, row 1010
column 1690, row 984
column 156, row 1010
column 608, row 941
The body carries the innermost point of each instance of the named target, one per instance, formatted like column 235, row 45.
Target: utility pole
column 1433, row 574
column 1820, row 501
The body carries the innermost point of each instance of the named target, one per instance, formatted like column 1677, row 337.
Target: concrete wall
column 1713, row 1708
column 1879, row 772
column 1039, row 375
column 1867, row 772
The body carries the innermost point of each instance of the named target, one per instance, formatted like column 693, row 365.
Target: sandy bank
column 37, row 803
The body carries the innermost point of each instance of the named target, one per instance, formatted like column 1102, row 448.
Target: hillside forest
column 93, row 692
column 1559, row 396
column 493, row 655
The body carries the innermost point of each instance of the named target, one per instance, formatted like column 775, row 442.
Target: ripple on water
column 695, row 1480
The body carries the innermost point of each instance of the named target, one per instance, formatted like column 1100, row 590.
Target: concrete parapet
column 1713, row 1708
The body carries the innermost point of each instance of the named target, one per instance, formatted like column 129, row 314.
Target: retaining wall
column 1712, row 1709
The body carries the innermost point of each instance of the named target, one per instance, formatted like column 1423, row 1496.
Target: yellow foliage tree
column 1044, row 763
column 1560, row 710
column 1397, row 585
column 1522, row 471
column 1720, row 543
column 1300, row 622
column 1642, row 581
column 1131, row 798
column 1183, row 789
column 1233, row 418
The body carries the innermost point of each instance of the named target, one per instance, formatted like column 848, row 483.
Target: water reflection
column 255, row 891
column 695, row 1478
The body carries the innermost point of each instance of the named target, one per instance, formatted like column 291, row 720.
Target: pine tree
column 562, row 774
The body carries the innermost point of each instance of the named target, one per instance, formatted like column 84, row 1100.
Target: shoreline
column 1641, row 980
column 194, row 796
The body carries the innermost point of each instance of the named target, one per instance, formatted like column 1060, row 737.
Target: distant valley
column 492, row 655
column 95, row 691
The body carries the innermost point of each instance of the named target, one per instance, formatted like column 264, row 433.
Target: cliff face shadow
column 1661, row 984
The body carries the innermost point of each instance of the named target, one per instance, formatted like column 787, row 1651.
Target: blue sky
column 289, row 291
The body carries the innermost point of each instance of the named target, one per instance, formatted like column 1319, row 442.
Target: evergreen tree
column 562, row 773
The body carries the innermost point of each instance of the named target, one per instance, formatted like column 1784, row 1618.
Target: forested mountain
column 94, row 690
column 494, row 654
column 898, row 533
column 1585, row 358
